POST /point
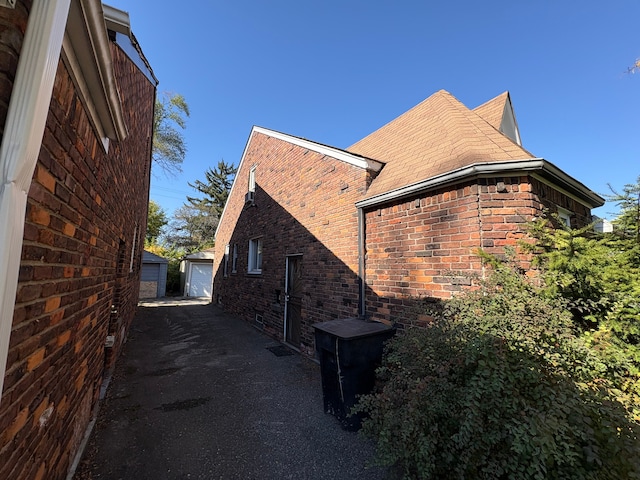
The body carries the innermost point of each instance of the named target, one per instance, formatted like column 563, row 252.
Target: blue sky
column 333, row 71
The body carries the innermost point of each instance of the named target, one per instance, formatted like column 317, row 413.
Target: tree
column 216, row 188
column 599, row 276
column 194, row 224
column 169, row 147
column 628, row 221
column 156, row 221
column 192, row 229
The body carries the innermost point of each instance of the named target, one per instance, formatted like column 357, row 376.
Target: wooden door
column 293, row 300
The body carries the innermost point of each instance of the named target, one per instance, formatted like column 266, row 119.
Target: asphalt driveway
column 199, row 394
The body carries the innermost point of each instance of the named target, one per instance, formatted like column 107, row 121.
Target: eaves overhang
column 118, row 22
column 538, row 167
column 86, row 52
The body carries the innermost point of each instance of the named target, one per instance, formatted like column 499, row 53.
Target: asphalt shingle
column 437, row 136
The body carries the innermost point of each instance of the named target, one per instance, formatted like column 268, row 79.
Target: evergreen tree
column 215, row 188
column 628, row 221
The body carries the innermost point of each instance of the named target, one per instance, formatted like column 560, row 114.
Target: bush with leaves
column 500, row 387
column 599, row 277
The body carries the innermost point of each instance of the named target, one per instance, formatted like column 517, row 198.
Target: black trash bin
column 349, row 351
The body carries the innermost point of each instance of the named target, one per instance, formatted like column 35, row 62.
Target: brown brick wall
column 425, row 246
column 82, row 212
column 304, row 205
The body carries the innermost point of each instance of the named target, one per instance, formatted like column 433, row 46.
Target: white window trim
column 252, row 179
column 255, row 243
column 565, row 216
column 134, row 244
column 225, row 260
column 234, row 259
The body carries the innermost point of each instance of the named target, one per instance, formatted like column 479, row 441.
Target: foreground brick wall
column 425, row 246
column 85, row 211
column 304, row 205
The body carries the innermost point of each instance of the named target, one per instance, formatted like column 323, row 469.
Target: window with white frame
column 564, row 216
column 255, row 256
column 252, row 179
column 225, row 267
column 234, row 259
column 133, row 248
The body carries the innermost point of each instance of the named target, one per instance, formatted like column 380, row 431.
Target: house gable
column 500, row 114
column 303, row 206
column 331, row 152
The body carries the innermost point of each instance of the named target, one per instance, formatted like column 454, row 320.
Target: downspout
column 21, row 141
column 361, row 265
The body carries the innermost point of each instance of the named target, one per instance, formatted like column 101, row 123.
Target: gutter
column 546, row 169
column 94, row 16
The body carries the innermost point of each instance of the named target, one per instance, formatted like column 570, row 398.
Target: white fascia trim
column 589, row 198
column 117, row 20
column 87, row 54
column 338, row 154
column 233, row 185
column 594, row 199
column 21, row 143
column 70, row 59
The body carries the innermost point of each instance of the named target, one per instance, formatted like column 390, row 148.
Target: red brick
column 45, row 179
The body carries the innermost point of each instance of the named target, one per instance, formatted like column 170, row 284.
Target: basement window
column 255, row 256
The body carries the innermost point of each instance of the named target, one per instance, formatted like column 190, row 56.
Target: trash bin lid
column 351, row 328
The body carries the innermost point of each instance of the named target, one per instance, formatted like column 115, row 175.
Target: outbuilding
column 153, row 277
column 196, row 274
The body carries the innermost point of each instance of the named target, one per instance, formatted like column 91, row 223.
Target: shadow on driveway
column 199, row 394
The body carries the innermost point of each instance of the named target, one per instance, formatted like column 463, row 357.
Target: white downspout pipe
column 23, row 132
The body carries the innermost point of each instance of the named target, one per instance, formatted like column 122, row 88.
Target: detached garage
column 153, row 276
column 197, row 271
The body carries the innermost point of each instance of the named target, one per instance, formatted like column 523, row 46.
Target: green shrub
column 499, row 387
column 173, row 277
column 599, row 277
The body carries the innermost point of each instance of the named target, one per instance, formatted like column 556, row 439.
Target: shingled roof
column 493, row 110
column 437, row 136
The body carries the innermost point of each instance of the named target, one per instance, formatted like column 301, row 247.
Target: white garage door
column 201, row 279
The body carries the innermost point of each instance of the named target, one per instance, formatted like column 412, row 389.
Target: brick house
column 312, row 233
column 76, row 112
